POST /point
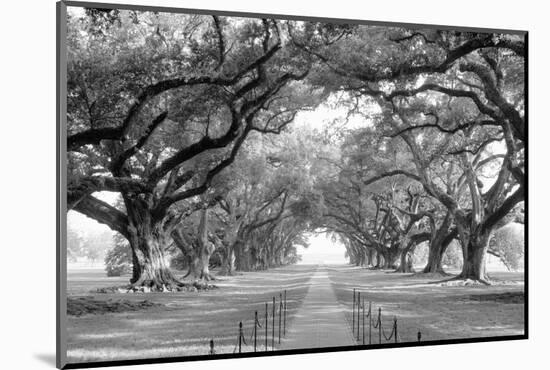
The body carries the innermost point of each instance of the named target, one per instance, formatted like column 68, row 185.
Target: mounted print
column 235, row 185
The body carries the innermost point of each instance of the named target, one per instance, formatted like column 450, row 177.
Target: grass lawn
column 438, row 312
column 186, row 321
column 182, row 324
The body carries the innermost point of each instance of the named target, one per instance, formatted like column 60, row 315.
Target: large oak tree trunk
column 379, row 260
column 135, row 266
column 474, row 252
column 436, row 252
column 407, row 253
column 150, row 265
column 371, row 255
column 228, row 262
column 231, row 240
column 438, row 244
column 205, row 249
column 391, row 258
column 197, row 249
column 362, row 258
column 147, row 239
column 242, row 262
column 199, row 264
column 406, row 260
column 435, row 256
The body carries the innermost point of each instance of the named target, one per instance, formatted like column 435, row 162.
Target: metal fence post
column 358, row 312
column 395, row 329
column 370, row 323
column 273, row 326
column 255, row 329
column 284, row 316
column 240, row 334
column 280, row 314
column 266, row 326
column 363, row 321
column 353, row 313
column 379, row 325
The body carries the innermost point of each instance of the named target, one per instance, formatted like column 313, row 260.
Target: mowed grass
column 438, row 312
column 186, row 322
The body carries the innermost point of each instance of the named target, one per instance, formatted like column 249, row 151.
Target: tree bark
column 391, row 256
column 407, row 253
column 197, row 249
column 199, row 264
column 231, row 239
column 474, row 252
column 439, row 241
column 242, row 257
column 362, row 258
column 150, row 266
column 379, row 260
column 435, row 256
column 370, row 257
column 228, row 263
column 147, row 238
column 406, row 261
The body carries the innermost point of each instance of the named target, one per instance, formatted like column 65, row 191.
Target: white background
column 27, row 142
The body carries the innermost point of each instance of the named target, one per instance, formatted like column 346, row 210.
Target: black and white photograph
column 239, row 185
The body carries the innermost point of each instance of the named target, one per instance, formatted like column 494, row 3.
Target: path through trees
column 197, row 123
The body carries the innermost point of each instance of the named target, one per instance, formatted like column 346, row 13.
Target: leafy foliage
column 508, row 245
column 179, row 113
column 118, row 260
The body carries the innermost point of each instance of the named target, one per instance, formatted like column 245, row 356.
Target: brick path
column 320, row 322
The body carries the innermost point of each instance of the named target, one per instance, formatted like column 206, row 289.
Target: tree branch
column 103, row 213
column 390, row 174
column 119, row 161
column 505, row 208
column 221, row 44
column 84, row 186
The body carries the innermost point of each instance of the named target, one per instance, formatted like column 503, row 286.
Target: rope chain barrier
column 359, row 306
column 393, row 331
column 241, row 338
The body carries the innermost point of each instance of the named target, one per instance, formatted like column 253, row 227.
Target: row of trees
column 159, row 108
column 443, row 156
column 178, row 114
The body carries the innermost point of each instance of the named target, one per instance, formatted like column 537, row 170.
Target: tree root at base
column 463, row 281
column 173, row 288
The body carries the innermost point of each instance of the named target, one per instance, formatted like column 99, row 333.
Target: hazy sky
column 322, row 250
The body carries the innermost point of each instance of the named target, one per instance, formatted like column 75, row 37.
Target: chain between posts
column 393, row 331
column 241, row 339
column 357, row 300
column 359, row 306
